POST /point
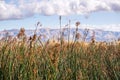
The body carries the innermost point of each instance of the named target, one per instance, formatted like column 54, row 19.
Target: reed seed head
column 77, row 23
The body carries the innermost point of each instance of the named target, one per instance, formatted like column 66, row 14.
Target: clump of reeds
column 53, row 61
column 21, row 33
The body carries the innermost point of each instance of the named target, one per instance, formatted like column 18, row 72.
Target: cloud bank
column 17, row 9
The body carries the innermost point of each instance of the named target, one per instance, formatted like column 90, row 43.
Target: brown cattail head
column 77, row 36
column 22, row 30
column 30, row 38
column 21, row 33
column 34, row 37
column 77, row 23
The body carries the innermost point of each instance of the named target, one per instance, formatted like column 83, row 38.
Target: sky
column 92, row 14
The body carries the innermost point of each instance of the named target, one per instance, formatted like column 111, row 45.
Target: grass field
column 30, row 59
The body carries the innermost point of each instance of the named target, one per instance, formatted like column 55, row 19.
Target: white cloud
column 8, row 11
column 24, row 8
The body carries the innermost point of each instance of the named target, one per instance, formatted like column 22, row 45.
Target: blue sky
column 26, row 13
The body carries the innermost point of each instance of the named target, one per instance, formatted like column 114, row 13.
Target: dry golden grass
column 30, row 59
